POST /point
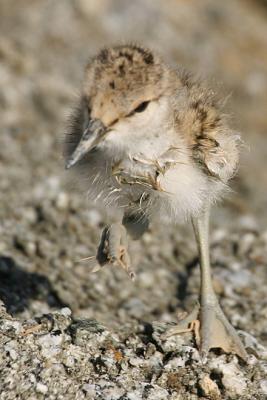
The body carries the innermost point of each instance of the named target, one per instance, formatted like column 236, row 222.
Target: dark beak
column 91, row 137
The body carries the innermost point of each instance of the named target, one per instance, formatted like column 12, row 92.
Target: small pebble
column 41, row 388
column 263, row 386
column 62, row 201
column 94, row 217
column 209, row 387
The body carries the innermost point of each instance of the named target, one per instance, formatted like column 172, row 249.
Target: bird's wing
column 219, row 157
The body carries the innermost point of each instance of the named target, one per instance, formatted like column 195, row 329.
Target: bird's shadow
column 18, row 287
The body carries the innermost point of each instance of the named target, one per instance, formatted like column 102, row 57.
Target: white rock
column 9, row 324
column 113, row 393
column 93, row 217
column 62, row 201
column 136, row 362
column 246, row 242
column 157, row 393
column 89, row 389
column 66, row 311
column 32, row 378
column 263, row 386
column 174, row 363
column 155, row 360
column 41, row 388
column 248, row 222
column 50, row 345
column 30, row 215
column 69, row 361
column 30, row 248
column 232, row 377
column 173, row 343
column 251, row 342
column 9, row 348
column 135, row 395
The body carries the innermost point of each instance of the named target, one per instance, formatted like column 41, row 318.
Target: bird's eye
column 141, row 107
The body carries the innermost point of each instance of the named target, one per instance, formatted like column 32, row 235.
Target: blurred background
column 44, row 46
column 45, row 225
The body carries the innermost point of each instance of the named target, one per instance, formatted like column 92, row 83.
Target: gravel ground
column 68, row 333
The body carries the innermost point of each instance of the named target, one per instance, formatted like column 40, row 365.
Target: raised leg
column 215, row 329
column 113, row 248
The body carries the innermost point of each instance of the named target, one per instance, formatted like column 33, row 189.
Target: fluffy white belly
column 181, row 192
column 170, row 187
column 157, row 178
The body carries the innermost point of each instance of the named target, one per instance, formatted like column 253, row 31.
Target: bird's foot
column 211, row 330
column 216, row 331
column 187, row 323
column 113, row 249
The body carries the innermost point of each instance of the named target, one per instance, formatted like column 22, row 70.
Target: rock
column 26, row 244
column 172, row 343
column 41, row 388
column 51, row 345
column 89, row 389
column 62, row 201
column 263, row 387
column 11, row 348
column 233, row 378
column 253, row 346
column 10, row 327
column 246, row 243
column 157, row 393
column 209, row 388
column 30, row 215
column 248, row 222
column 94, row 217
column 86, row 331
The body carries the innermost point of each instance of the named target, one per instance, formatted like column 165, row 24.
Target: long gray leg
column 215, row 329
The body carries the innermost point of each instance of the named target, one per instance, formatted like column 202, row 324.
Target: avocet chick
column 151, row 141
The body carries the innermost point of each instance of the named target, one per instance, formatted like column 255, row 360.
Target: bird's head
column 121, row 84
